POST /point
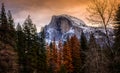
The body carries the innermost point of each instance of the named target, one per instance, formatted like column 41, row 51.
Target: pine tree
column 42, row 57
column 31, row 49
column 55, row 57
column 48, row 56
column 4, row 23
column 61, row 59
column 83, row 51
column 75, row 52
column 4, row 29
column 21, row 48
column 12, row 31
column 83, row 42
column 10, row 20
column 8, row 55
column 60, row 55
column 67, row 58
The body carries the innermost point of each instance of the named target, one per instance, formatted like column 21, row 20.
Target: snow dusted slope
column 63, row 26
column 75, row 21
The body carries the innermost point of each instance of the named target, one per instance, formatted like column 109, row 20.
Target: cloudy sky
column 41, row 11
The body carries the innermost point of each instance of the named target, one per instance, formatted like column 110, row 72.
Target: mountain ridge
column 63, row 26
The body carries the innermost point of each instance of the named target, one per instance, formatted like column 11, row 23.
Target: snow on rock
column 63, row 26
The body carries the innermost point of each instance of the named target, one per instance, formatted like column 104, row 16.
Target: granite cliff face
column 63, row 26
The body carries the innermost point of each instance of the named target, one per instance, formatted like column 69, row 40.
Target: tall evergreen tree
column 42, row 64
column 83, row 51
column 30, row 45
column 52, row 56
column 10, row 20
column 12, row 31
column 60, row 55
column 8, row 55
column 4, row 29
column 67, row 58
column 75, row 52
column 55, row 57
column 21, row 48
column 48, row 55
column 83, row 42
column 4, row 23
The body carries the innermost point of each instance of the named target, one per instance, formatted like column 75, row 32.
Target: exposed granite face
column 60, row 23
column 63, row 26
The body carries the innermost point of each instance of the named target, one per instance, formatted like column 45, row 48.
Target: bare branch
column 102, row 12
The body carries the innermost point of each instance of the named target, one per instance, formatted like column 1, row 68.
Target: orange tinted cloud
column 45, row 3
column 42, row 10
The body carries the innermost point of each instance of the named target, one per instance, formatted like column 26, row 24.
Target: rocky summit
column 62, row 27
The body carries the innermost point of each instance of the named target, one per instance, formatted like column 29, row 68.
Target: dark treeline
column 22, row 50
